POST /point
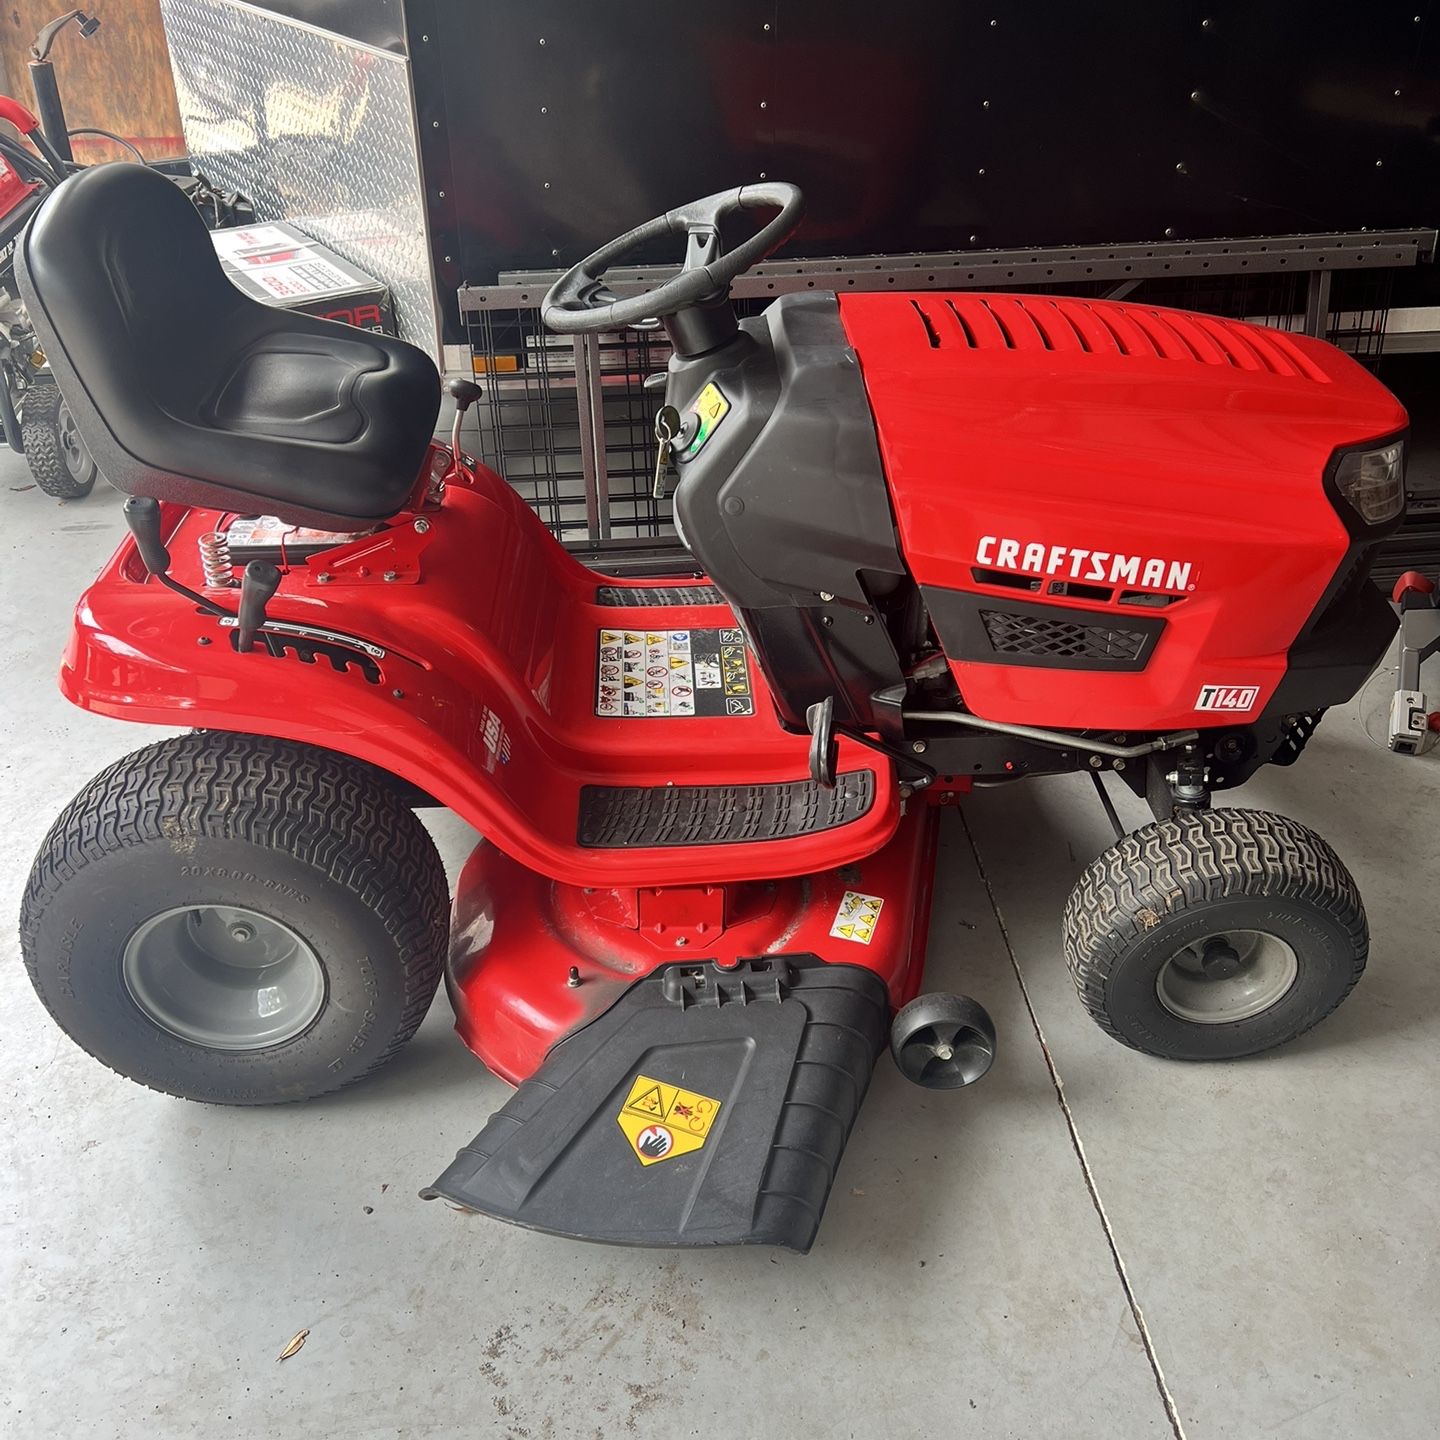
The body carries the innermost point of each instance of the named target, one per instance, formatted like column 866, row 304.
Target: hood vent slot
column 928, row 324
column 1006, row 322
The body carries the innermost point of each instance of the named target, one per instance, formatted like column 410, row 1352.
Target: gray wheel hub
column 77, row 458
column 1227, row 977
column 224, row 977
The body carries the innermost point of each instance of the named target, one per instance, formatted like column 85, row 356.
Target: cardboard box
column 276, row 263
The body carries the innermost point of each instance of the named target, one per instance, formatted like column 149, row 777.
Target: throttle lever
column 464, row 393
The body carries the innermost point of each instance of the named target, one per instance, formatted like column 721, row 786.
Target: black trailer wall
column 922, row 124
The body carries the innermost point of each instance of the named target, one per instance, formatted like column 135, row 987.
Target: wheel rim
column 945, row 1054
column 1227, row 976
column 77, row 458
column 224, row 977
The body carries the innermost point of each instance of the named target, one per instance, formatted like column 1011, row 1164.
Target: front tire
column 237, row 919
column 1215, row 935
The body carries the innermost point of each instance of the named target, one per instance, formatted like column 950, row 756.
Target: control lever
column 142, row 515
column 464, row 393
column 257, row 588
column 824, row 749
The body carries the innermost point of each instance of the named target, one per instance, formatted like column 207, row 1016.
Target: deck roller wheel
column 942, row 1041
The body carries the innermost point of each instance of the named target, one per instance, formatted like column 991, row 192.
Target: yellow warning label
column 661, row 1120
column 856, row 917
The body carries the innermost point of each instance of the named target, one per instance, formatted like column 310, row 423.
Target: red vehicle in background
column 33, row 414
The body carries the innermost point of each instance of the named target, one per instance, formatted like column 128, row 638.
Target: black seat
column 187, row 390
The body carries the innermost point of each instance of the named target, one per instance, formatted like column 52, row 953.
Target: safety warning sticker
column 661, row 1120
column 856, row 917
column 672, row 674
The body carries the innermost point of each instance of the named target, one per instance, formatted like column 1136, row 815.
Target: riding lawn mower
column 943, row 541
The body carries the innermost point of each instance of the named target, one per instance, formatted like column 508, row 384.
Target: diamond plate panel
column 318, row 130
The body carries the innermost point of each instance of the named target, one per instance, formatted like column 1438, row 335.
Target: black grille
column 1057, row 639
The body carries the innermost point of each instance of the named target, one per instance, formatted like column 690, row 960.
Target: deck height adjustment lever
column 257, row 588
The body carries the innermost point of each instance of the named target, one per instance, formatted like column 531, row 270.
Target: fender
column 483, row 697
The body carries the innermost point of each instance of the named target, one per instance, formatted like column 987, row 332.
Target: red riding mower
column 946, row 540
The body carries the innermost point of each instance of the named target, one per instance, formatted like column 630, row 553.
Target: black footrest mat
column 706, row 1107
column 616, row 817
column 651, row 595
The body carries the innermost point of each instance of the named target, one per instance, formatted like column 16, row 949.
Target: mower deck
column 533, row 960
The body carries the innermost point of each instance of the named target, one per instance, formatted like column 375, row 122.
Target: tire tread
column 40, row 416
column 1210, row 855
column 318, row 806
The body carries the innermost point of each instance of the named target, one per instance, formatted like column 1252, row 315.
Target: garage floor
column 1090, row 1243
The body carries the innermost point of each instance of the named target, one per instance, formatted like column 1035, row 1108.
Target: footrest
column 706, row 1107
column 614, row 817
column 644, row 597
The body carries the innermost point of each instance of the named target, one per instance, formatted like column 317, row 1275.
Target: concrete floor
column 985, row 1262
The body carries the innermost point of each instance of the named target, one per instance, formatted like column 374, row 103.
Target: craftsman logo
column 661, row 1120
column 1227, row 697
column 1093, row 567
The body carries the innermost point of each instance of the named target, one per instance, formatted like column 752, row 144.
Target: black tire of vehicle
column 300, row 835
column 1168, row 885
column 44, row 418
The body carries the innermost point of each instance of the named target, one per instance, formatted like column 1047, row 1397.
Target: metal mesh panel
column 318, row 130
column 537, row 410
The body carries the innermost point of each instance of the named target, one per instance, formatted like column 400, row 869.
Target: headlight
column 1373, row 481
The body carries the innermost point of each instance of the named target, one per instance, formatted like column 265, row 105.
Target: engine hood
column 1004, row 402
column 1092, row 443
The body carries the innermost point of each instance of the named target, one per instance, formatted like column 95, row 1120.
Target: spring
column 215, row 560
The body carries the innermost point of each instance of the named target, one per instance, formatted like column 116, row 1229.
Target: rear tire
column 1216, row 935
column 164, row 877
column 59, row 460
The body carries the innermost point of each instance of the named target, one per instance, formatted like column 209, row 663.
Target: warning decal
column 661, row 1120
column 856, row 917
column 672, row 674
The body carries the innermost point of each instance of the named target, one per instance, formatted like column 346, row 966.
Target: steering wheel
column 578, row 302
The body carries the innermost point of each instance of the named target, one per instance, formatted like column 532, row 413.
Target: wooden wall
column 118, row 79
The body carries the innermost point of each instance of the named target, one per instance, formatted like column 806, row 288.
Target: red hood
column 1093, row 427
